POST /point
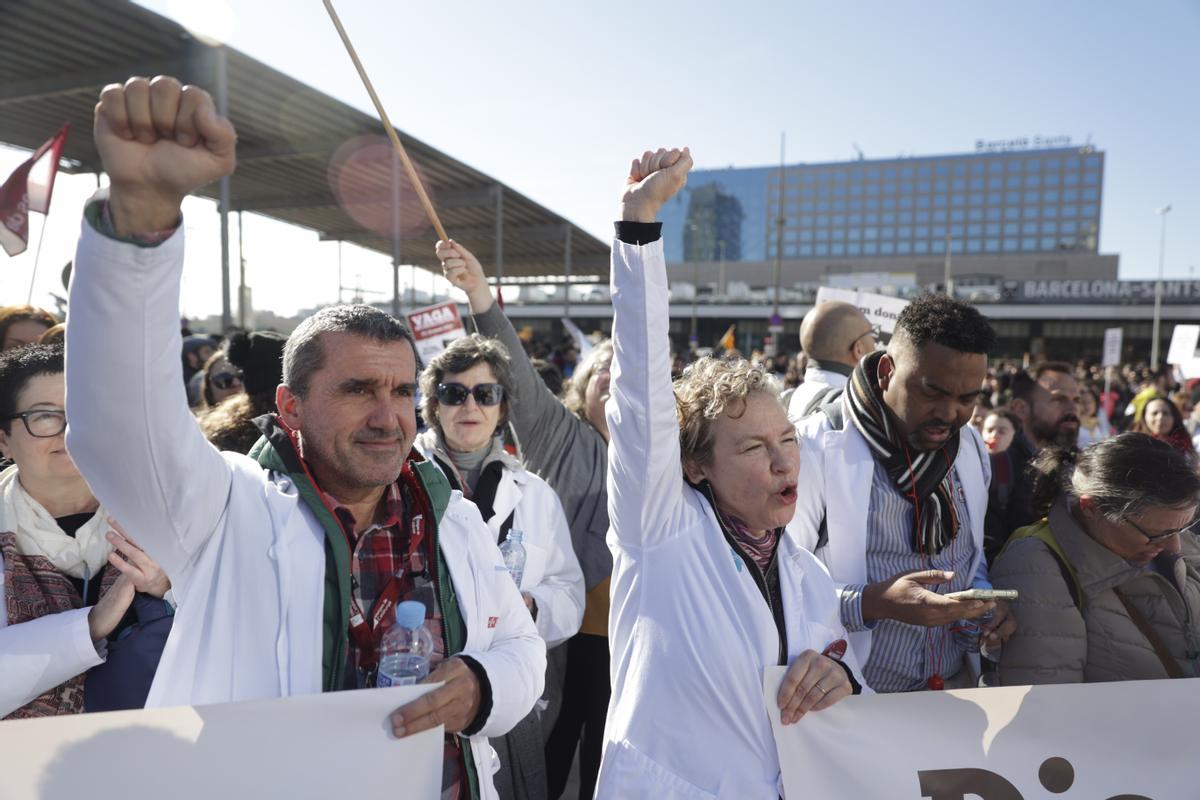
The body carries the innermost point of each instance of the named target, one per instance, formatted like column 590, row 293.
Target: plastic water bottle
column 513, row 550
column 406, row 648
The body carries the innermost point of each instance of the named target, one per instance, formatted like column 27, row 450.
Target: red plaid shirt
column 378, row 553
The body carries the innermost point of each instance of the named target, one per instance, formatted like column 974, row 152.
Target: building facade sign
column 1099, row 291
column 1020, row 143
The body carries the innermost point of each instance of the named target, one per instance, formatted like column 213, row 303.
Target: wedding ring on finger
column 822, row 688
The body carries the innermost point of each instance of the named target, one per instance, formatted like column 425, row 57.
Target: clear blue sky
column 554, row 98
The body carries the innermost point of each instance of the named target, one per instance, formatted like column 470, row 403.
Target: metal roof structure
column 303, row 157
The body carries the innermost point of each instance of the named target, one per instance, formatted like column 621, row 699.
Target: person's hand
column 107, row 613
column 813, row 682
column 158, row 142
column 653, row 180
column 904, row 598
column 462, row 268
column 453, row 705
column 1000, row 627
column 145, row 575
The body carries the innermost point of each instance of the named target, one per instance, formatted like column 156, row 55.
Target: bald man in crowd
column 835, row 336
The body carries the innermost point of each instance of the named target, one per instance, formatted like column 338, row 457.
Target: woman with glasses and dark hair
column 466, row 392
column 1109, row 579
column 78, row 595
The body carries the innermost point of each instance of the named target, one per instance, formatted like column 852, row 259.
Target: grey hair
column 303, row 354
column 709, row 388
column 460, row 356
column 575, row 390
column 1126, row 475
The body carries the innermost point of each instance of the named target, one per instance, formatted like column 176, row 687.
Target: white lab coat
column 815, row 380
column 843, row 469
column 245, row 555
column 552, row 574
column 691, row 633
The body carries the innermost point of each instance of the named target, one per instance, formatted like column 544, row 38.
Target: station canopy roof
column 303, row 157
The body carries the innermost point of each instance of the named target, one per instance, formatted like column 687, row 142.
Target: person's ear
column 289, row 405
column 694, row 471
column 886, row 371
column 1020, row 407
column 4, row 444
column 1087, row 504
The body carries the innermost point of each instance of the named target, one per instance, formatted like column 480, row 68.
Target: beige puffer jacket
column 1056, row 642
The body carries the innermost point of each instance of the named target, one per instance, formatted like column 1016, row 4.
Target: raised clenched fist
column 653, row 180
column 159, row 141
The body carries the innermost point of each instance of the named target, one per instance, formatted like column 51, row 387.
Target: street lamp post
column 1158, row 287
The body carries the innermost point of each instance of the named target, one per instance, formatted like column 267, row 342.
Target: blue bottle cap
column 410, row 614
column 516, row 535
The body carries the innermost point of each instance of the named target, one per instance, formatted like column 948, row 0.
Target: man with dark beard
column 1047, row 402
column 892, row 497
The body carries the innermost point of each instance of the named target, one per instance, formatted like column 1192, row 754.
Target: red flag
column 29, row 189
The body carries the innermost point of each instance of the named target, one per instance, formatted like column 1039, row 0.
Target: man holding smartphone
column 893, row 494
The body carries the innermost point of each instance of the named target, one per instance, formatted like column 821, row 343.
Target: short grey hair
column 303, row 354
column 1127, row 475
column 460, row 356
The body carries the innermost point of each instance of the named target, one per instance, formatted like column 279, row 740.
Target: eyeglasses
column 455, row 394
column 875, row 332
column 1162, row 537
column 43, row 423
column 225, row 380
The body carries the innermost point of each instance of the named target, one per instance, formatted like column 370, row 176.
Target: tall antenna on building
column 858, row 150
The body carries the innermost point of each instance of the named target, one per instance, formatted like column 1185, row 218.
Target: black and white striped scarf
column 921, row 476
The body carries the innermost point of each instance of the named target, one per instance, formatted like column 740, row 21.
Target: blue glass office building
column 1003, row 203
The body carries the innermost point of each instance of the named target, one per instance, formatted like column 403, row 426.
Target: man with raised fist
column 287, row 564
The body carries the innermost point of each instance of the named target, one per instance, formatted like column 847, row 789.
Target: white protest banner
column 434, row 327
column 1183, row 350
column 1100, row 741
column 1112, row 347
column 324, row 745
column 1183, row 344
column 879, row 309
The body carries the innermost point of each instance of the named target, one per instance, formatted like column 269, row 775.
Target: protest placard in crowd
column 434, row 327
column 879, row 309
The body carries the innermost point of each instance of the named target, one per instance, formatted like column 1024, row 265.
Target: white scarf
column 38, row 534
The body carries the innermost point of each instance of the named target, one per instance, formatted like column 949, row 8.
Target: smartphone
column 984, row 594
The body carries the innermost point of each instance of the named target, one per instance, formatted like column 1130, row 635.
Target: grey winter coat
column 566, row 452
column 1058, row 642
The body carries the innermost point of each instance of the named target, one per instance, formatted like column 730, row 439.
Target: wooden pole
column 387, row 127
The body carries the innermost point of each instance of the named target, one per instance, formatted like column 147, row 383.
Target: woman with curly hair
column 707, row 589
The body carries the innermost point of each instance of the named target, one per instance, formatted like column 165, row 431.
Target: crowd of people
column 238, row 519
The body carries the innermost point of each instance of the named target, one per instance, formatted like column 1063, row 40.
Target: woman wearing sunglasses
column 1109, row 580
column 77, row 595
column 466, row 391
column 221, row 379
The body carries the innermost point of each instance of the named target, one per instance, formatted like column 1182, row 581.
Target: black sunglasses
column 225, row 380
column 455, row 394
